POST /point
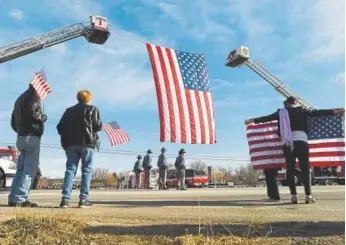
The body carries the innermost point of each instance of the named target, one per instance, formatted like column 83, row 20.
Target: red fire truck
column 193, row 178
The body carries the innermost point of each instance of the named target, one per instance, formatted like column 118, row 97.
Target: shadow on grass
column 276, row 229
column 195, row 203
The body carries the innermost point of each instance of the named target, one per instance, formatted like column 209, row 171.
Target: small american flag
column 115, row 134
column 40, row 84
column 184, row 96
column 326, row 142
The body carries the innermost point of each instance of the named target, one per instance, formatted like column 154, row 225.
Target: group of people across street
column 293, row 131
column 78, row 129
column 162, row 165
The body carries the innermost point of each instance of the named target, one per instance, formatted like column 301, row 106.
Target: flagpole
column 42, row 100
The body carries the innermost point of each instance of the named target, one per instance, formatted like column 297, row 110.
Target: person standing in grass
column 27, row 121
column 78, row 129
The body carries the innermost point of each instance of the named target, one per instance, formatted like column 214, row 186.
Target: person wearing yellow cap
column 78, row 129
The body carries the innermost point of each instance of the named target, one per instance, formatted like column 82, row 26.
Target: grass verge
column 67, row 229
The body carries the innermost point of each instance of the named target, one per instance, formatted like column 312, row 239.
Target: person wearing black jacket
column 78, row 129
column 27, row 121
column 298, row 118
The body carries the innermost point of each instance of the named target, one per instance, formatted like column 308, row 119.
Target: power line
column 133, row 153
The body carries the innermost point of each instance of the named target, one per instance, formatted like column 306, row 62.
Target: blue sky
column 302, row 42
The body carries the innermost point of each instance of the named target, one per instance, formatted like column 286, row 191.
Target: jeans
column 28, row 161
column 74, row 154
column 301, row 151
column 271, row 182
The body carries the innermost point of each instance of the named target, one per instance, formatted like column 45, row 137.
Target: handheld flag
column 40, row 84
column 326, row 143
column 115, row 134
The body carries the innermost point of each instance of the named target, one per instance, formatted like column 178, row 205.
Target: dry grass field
column 230, row 216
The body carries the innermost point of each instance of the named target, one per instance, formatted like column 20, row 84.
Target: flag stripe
column 186, row 115
column 209, row 118
column 160, row 102
column 179, row 101
column 41, row 85
column 183, row 97
column 199, row 106
column 170, row 123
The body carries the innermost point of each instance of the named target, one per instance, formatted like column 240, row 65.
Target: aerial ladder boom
column 96, row 31
column 240, row 57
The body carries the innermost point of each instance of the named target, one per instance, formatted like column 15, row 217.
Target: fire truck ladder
column 240, row 56
column 278, row 85
column 95, row 32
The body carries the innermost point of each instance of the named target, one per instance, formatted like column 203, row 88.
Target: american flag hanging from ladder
column 40, row 84
column 184, row 96
column 326, row 143
column 116, row 135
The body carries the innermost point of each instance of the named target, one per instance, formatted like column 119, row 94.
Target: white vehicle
column 7, row 172
column 8, row 157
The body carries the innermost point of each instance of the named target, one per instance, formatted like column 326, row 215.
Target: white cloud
column 184, row 18
column 340, row 78
column 256, row 83
column 62, row 48
column 221, row 83
column 17, row 14
column 326, row 39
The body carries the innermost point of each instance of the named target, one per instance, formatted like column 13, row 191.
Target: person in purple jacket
column 293, row 130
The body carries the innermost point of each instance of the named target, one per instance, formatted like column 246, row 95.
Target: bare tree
column 111, row 179
column 198, row 165
column 220, row 174
column 247, row 175
column 99, row 174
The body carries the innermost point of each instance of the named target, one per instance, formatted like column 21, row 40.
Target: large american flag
column 184, row 96
column 326, row 142
column 40, row 84
column 115, row 134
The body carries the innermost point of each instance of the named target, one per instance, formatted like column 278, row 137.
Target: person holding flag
column 27, row 121
column 293, row 132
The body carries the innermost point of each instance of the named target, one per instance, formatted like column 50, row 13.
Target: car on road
column 7, row 172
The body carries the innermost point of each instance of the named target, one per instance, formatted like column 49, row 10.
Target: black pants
column 271, row 182
column 300, row 151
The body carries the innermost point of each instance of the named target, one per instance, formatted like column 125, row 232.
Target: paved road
column 175, row 212
column 334, row 195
